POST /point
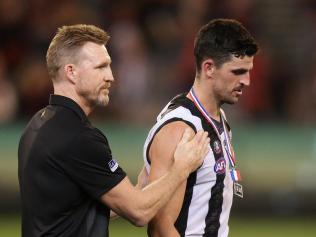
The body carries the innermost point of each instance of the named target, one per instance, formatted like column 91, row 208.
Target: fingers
column 191, row 150
column 203, row 142
column 204, row 137
column 200, row 141
column 200, row 136
column 187, row 135
column 205, row 146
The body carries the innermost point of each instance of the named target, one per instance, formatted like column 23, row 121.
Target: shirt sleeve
column 90, row 164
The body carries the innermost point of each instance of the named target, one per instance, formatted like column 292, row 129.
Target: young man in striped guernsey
column 224, row 52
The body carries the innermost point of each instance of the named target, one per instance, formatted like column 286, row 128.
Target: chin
column 103, row 101
column 230, row 101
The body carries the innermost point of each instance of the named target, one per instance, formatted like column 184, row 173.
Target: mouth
column 105, row 90
column 238, row 92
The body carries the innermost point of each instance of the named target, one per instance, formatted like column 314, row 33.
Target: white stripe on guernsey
column 198, row 208
column 179, row 112
column 227, row 203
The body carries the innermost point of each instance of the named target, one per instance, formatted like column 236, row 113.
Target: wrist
column 181, row 170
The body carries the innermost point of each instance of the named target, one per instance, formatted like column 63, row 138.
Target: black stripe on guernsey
column 215, row 208
column 216, row 201
column 160, row 127
column 182, row 220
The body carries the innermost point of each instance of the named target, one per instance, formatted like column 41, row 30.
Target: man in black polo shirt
column 68, row 178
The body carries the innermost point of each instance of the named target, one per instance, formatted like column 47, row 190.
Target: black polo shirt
column 65, row 165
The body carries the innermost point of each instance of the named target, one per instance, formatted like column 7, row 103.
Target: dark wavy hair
column 220, row 39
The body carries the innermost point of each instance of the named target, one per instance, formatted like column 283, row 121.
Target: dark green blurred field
column 239, row 227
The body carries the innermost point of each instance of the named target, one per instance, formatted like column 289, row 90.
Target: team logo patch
column 220, row 166
column 217, row 147
column 113, row 165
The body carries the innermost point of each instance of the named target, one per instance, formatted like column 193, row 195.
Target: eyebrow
column 104, row 64
column 239, row 71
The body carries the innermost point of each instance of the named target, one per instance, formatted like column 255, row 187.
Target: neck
column 68, row 91
column 207, row 99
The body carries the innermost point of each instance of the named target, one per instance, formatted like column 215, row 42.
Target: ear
column 208, row 67
column 70, row 72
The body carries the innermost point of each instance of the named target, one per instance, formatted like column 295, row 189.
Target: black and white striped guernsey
column 209, row 190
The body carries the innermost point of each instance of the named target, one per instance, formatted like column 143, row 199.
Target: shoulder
column 173, row 130
column 165, row 141
column 168, row 130
column 88, row 134
column 177, row 117
column 89, row 146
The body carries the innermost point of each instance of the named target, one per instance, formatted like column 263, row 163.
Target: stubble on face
column 93, row 86
column 103, row 97
column 231, row 78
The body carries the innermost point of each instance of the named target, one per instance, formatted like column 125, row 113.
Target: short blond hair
column 68, row 40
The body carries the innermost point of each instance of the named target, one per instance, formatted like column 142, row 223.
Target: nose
column 245, row 80
column 109, row 76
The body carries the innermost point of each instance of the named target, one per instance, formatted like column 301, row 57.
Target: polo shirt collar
column 68, row 103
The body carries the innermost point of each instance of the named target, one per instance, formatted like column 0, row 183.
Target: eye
column 239, row 72
column 102, row 66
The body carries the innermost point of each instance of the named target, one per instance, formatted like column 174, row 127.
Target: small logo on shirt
column 220, row 166
column 217, row 147
column 113, row 165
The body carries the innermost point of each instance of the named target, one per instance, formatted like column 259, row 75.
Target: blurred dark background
column 151, row 47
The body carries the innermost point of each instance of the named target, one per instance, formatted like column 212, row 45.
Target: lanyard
column 227, row 144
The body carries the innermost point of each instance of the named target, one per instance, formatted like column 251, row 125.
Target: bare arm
column 161, row 157
column 139, row 206
column 142, row 181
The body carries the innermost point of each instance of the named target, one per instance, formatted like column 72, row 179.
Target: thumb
column 187, row 135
